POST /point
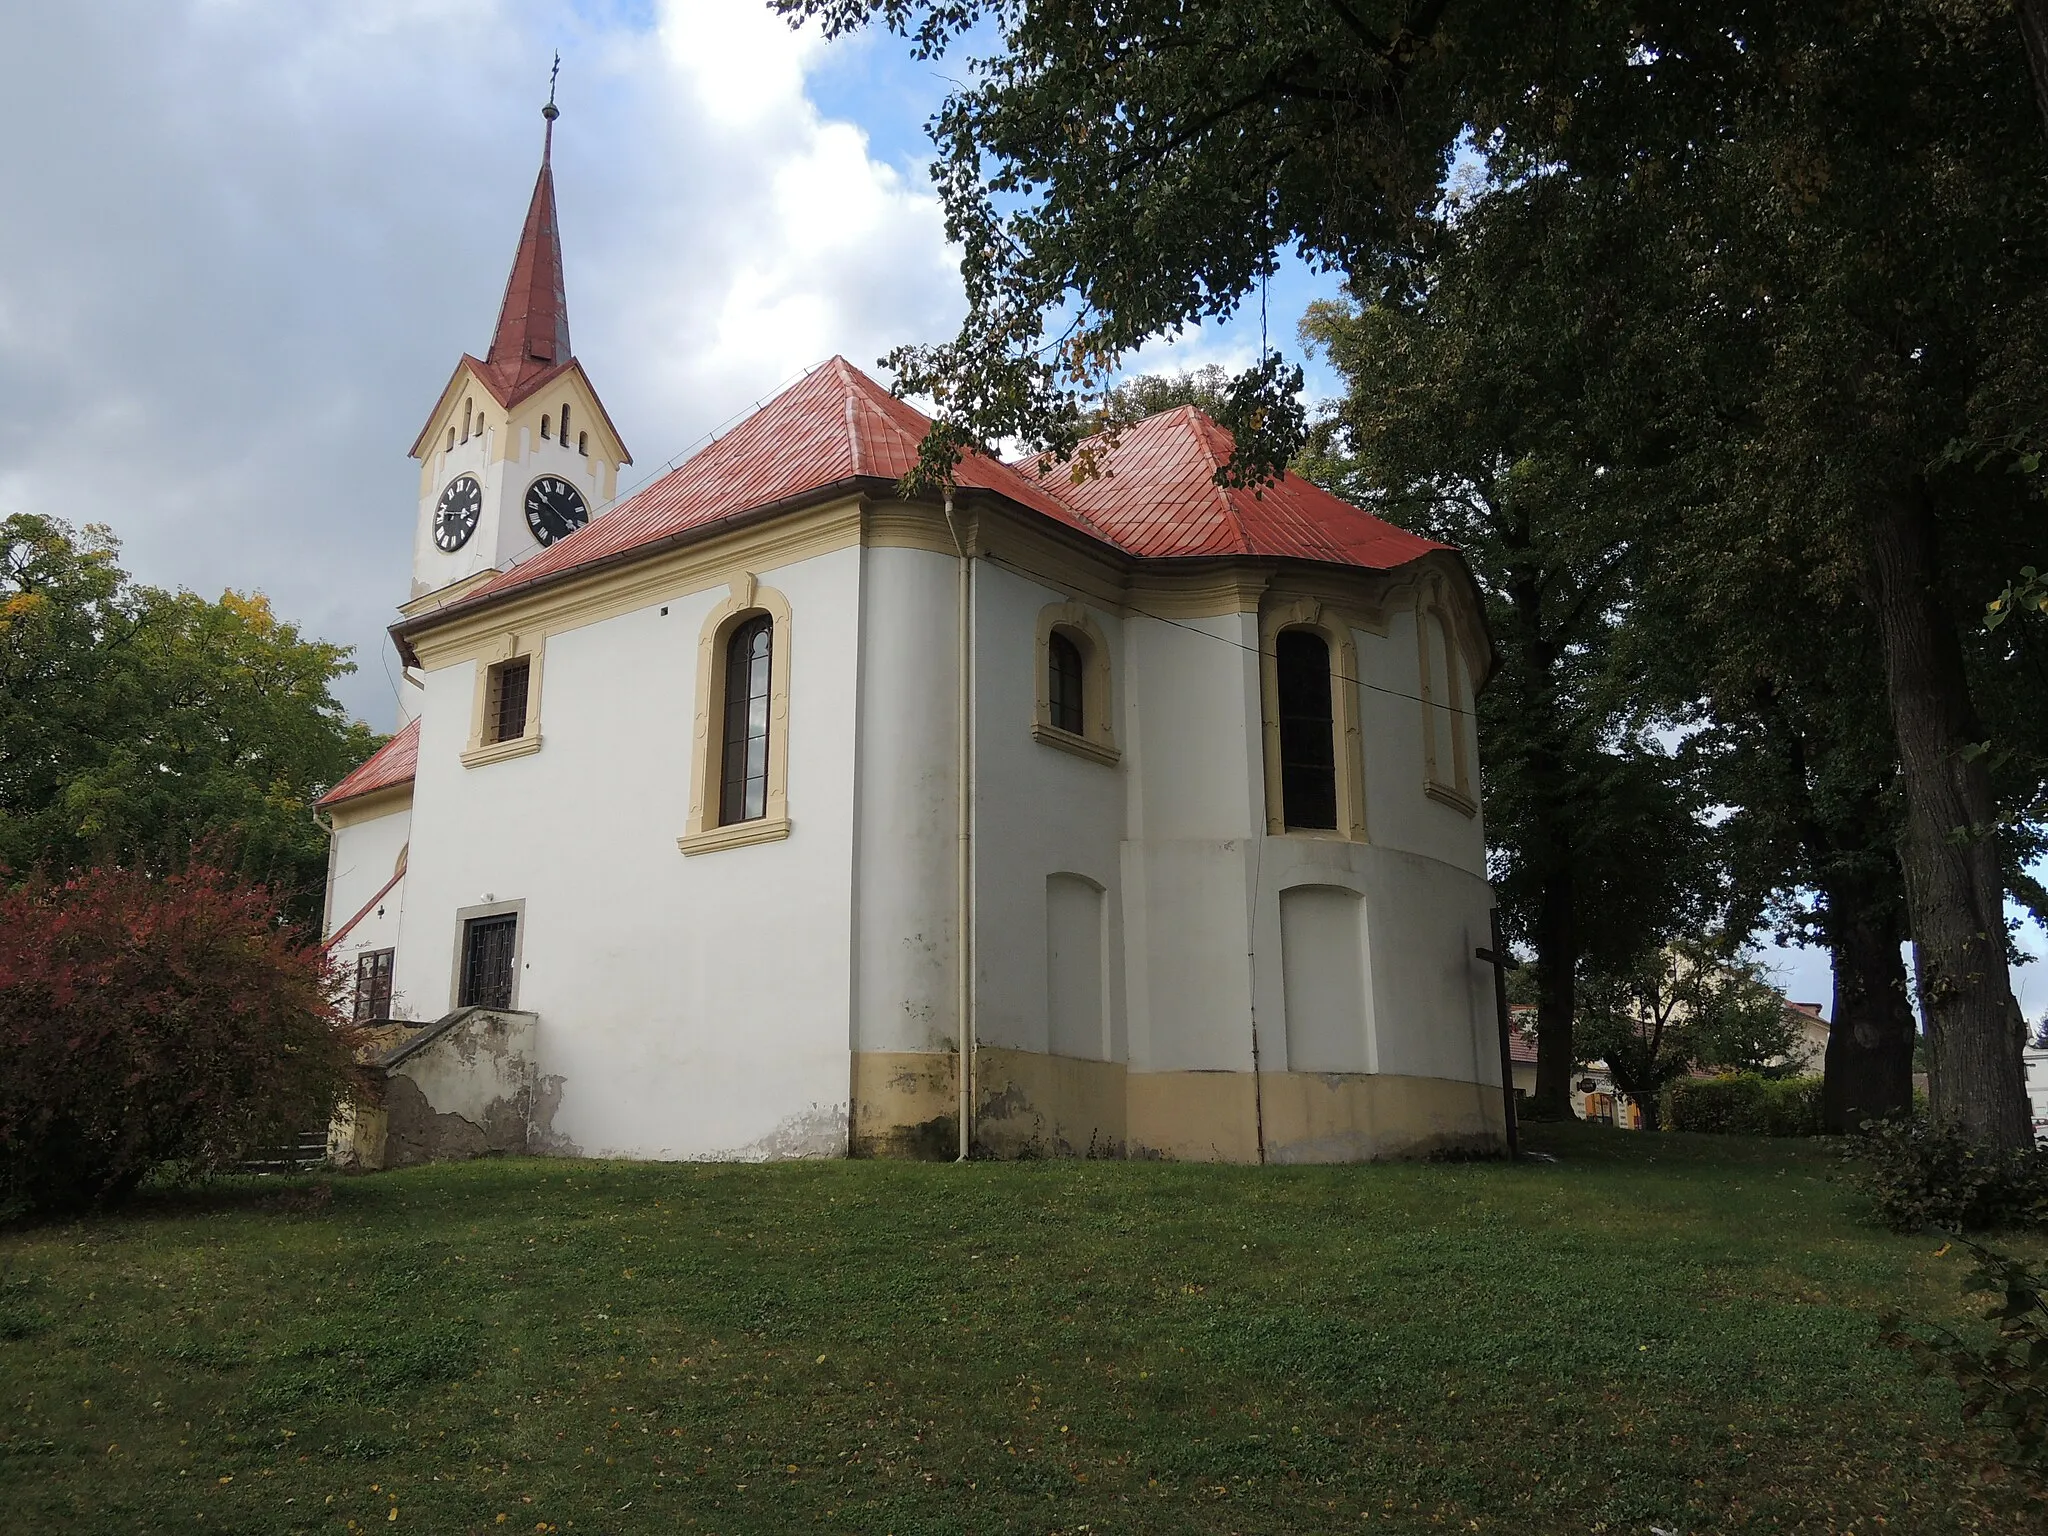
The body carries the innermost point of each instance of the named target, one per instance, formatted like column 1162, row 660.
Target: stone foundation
column 1031, row 1104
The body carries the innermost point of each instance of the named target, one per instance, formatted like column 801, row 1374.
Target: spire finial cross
column 551, row 111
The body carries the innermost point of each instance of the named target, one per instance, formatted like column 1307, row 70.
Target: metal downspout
column 963, row 873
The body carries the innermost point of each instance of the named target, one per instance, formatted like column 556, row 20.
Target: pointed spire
column 533, row 322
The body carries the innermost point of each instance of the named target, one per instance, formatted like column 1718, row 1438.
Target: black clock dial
column 456, row 513
column 554, row 509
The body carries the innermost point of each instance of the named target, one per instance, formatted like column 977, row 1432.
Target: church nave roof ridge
column 836, row 430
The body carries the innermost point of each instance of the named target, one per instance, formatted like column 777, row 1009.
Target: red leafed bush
column 147, row 1023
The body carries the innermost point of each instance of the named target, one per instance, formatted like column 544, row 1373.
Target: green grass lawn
column 1668, row 1332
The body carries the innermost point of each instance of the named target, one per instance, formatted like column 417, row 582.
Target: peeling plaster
column 819, row 1131
column 542, row 1140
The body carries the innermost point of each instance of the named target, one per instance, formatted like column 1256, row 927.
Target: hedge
column 1745, row 1105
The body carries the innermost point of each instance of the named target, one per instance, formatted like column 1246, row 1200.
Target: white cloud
column 246, row 243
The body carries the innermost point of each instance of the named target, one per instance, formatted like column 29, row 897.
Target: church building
column 737, row 807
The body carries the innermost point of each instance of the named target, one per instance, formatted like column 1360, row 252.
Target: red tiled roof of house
column 1156, row 496
column 835, row 426
column 389, row 766
column 1522, row 1033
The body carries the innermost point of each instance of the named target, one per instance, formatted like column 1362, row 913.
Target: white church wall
column 1076, row 974
column 1432, row 998
column 1193, row 971
column 1398, row 813
column 904, row 950
column 1428, row 1002
column 688, row 1007
column 1323, row 987
column 1195, row 759
column 1040, row 811
column 361, row 859
column 1198, row 756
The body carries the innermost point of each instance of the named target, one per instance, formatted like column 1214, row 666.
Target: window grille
column 505, row 709
column 488, row 949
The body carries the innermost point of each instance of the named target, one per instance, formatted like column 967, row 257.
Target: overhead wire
column 705, row 439
column 1143, row 613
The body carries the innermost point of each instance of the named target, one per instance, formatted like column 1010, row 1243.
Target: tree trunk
column 1955, row 892
column 1869, row 1069
column 2033, row 15
column 1557, row 962
column 1550, row 847
column 1652, row 1111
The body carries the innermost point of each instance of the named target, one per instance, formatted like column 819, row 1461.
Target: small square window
column 373, row 985
column 505, row 707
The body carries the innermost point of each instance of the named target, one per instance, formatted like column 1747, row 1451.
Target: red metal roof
column 1156, row 496
column 389, row 766
column 833, row 427
column 530, row 346
column 533, row 321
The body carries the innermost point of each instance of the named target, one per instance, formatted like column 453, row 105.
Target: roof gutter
column 419, row 624
column 963, row 858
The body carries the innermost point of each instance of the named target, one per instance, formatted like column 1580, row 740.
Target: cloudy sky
column 246, row 242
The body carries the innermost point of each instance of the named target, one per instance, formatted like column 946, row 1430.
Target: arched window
column 739, row 754
column 1308, row 743
column 543, row 425
column 1073, row 709
column 1063, row 683
column 565, row 423
column 583, row 443
column 743, row 770
column 465, row 420
column 451, row 439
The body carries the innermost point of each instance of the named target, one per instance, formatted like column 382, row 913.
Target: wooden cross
column 1502, row 962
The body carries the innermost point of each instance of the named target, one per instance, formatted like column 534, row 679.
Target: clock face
column 456, row 513
column 554, row 509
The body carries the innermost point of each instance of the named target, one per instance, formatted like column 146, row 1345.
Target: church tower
column 518, row 452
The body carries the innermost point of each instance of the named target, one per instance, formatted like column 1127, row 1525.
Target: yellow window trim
column 498, row 751
column 1335, row 626
column 1096, row 740
column 1080, row 746
column 1444, row 795
column 746, row 599
column 509, row 647
column 737, row 835
column 1454, row 788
